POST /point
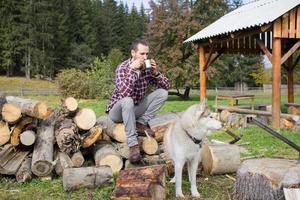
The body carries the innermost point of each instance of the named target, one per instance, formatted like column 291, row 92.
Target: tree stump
column 4, row 133
column 85, row 119
column 220, row 158
column 141, row 183
column 42, row 156
column 113, row 130
column 86, row 177
column 105, row 154
column 265, row 178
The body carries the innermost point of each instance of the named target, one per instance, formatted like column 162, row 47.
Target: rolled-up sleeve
column 161, row 81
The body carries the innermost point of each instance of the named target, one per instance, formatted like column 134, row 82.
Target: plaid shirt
column 132, row 83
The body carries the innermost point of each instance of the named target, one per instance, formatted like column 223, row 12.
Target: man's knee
column 163, row 93
column 127, row 102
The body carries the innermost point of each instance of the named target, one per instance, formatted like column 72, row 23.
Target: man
column 129, row 103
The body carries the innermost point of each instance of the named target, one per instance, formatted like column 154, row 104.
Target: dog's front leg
column 193, row 166
column 178, row 177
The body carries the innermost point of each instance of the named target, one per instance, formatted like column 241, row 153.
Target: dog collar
column 196, row 141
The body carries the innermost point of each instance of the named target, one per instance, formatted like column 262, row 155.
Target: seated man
column 129, row 103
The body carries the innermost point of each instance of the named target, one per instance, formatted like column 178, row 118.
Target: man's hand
column 154, row 67
column 136, row 64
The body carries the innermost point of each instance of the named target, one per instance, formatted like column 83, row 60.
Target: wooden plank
column 285, row 26
column 202, row 72
column 298, row 23
column 291, row 193
column 264, row 49
column 292, row 24
column 277, row 28
column 290, row 52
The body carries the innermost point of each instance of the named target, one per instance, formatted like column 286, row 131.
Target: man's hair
column 134, row 45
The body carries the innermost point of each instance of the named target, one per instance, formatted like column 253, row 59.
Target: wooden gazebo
column 271, row 27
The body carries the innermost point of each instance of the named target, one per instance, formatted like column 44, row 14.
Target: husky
column 183, row 141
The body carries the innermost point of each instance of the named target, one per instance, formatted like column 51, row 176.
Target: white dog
column 183, row 142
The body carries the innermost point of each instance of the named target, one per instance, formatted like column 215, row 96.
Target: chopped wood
column 113, row 130
column 42, row 158
column 294, row 110
column 30, row 107
column 4, row 133
column 11, row 113
column 24, row 173
column 63, row 162
column 149, row 145
column 11, row 159
column 141, row 183
column 86, row 177
column 77, row 159
column 122, row 149
column 15, row 136
column 105, row 154
column 67, row 137
column 220, row 158
column 71, row 104
column 85, row 119
column 265, row 178
column 27, row 138
column 2, row 102
column 146, row 161
column 92, row 136
column 289, row 124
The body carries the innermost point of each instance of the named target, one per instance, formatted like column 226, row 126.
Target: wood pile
column 70, row 142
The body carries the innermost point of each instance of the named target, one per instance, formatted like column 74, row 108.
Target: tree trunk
column 105, row 154
column 63, row 162
column 85, row 119
column 265, row 178
column 24, row 173
column 141, row 183
column 113, row 130
column 11, row 113
column 30, row 107
column 77, row 159
column 4, row 133
column 42, row 158
column 92, row 136
column 86, row 177
column 186, row 94
column 28, row 137
column 15, row 136
column 220, row 158
column 67, row 137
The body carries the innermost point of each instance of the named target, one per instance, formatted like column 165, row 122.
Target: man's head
column 139, row 50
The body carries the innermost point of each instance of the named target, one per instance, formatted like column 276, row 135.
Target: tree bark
column 113, row 130
column 86, row 177
column 141, row 183
column 85, row 119
column 30, row 107
column 24, row 173
column 77, row 159
column 63, row 162
column 265, row 178
column 42, row 158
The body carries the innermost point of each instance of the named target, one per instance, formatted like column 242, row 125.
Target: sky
column 137, row 3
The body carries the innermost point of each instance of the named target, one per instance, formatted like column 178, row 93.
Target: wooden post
column 202, row 72
column 290, row 80
column 276, row 82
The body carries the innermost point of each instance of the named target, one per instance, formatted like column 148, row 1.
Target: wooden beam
column 290, row 80
column 264, row 49
column 285, row 26
column 265, row 28
column 208, row 58
column 296, row 62
column 277, row 28
column 211, row 61
column 276, row 81
column 292, row 33
column 290, row 52
column 298, row 22
column 202, row 72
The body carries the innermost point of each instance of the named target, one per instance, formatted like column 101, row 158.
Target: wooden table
column 234, row 99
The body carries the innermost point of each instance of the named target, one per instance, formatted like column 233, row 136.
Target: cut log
column 11, row 113
column 42, row 158
column 30, row 107
column 146, row 161
column 71, row 104
column 85, row 119
column 105, row 154
column 122, row 149
column 220, row 158
column 67, row 137
column 2, row 102
column 24, row 173
column 77, row 159
column 92, row 136
column 63, row 162
column 141, row 183
column 27, row 138
column 11, row 159
column 160, row 124
column 265, row 178
column 149, row 145
column 289, row 124
column 113, row 130
column 4, row 133
column 15, row 136
column 86, row 177
column 294, row 110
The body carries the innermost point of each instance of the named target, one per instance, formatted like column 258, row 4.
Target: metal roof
column 253, row 14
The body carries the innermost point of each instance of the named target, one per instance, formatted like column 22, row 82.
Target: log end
column 42, row 168
column 85, row 119
column 114, row 161
column 11, row 112
column 71, row 104
column 41, row 110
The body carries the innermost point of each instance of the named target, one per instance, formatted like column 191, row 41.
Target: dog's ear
column 201, row 108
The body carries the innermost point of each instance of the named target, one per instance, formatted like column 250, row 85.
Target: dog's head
column 197, row 120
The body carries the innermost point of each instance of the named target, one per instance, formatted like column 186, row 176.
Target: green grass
column 26, row 83
column 256, row 142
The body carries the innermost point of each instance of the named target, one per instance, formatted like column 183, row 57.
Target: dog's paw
column 196, row 194
column 172, row 180
column 179, row 195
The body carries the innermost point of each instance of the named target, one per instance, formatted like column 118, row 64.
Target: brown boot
column 134, row 154
column 141, row 128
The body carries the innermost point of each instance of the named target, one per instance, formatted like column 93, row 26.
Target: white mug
column 147, row 64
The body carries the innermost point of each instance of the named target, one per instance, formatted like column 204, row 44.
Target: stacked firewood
column 70, row 142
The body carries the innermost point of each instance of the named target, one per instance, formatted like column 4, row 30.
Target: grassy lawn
column 256, row 141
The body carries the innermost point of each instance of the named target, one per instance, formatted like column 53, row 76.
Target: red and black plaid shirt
column 131, row 83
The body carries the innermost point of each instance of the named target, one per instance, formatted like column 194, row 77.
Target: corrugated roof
column 253, row 14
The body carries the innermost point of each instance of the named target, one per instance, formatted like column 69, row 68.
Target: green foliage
column 260, row 75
